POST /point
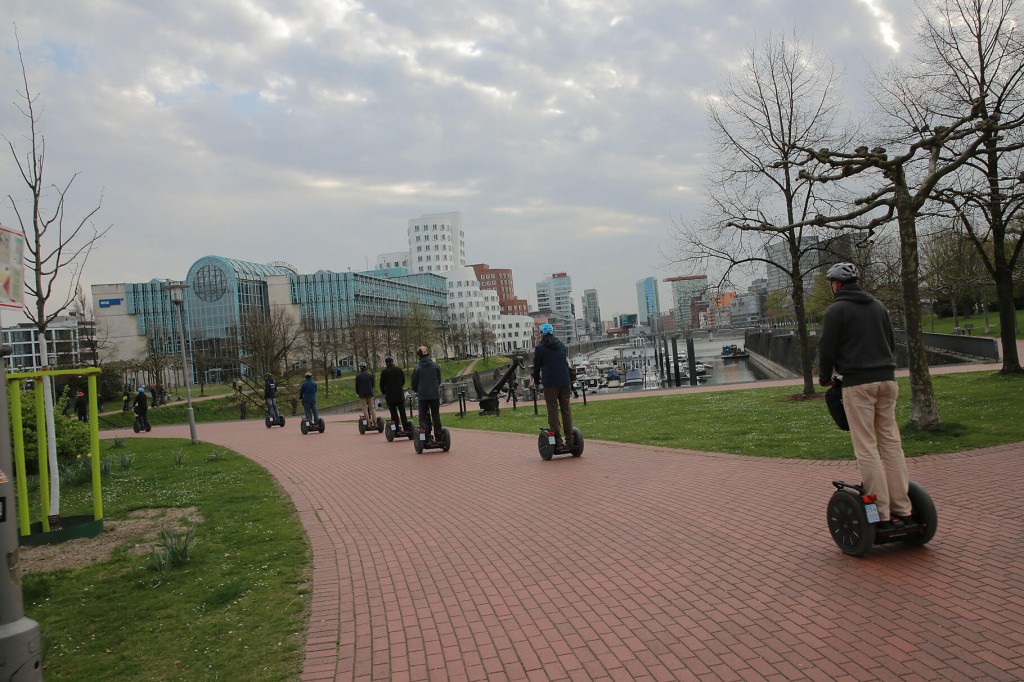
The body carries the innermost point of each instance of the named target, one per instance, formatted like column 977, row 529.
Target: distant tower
column 554, row 294
column 436, row 243
column 647, row 302
column 685, row 292
column 592, row 311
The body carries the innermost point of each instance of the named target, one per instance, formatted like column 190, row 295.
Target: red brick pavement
column 635, row 562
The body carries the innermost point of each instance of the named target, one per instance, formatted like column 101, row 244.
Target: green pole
column 14, row 392
column 94, row 446
column 44, row 462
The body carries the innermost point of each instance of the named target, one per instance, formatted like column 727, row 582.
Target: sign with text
column 12, row 268
column 107, row 302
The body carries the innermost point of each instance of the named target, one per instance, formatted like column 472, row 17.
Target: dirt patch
column 141, row 523
column 801, row 397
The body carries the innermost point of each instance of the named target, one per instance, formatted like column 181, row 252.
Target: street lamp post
column 177, row 290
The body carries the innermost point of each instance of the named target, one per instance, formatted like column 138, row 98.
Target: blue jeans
column 272, row 408
column 311, row 414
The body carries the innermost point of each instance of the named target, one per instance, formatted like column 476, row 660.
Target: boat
column 614, row 379
column 634, row 378
column 734, row 352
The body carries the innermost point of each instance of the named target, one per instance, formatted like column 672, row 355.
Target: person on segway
column 307, row 394
column 141, row 408
column 551, row 367
column 364, row 389
column 270, row 396
column 426, row 382
column 857, row 342
column 392, row 385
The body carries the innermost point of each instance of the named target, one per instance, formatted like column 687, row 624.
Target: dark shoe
column 905, row 522
column 885, row 526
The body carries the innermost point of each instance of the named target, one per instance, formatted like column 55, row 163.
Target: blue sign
column 107, row 302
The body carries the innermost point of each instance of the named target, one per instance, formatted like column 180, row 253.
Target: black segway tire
column 389, row 433
column 362, row 426
column 136, row 428
column 303, row 427
column 577, row 442
column 280, row 421
column 546, row 449
column 410, row 430
column 380, row 424
column 848, row 523
column 321, row 425
column 268, row 422
column 417, row 445
column 924, row 513
column 446, row 439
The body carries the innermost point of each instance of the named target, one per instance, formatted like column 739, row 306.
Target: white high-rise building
column 436, row 243
column 554, row 294
column 469, row 306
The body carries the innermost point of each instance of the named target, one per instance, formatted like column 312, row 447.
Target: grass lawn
column 977, row 410
column 944, row 325
column 236, row 610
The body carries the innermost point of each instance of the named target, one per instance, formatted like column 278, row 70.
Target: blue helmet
column 546, row 329
column 141, row 389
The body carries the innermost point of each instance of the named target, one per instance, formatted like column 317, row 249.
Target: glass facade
column 336, row 300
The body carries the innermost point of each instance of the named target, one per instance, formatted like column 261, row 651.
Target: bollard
column 584, row 387
column 535, row 412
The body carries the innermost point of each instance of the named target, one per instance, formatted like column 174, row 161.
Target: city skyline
column 571, row 136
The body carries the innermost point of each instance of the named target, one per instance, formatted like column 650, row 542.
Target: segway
column 270, row 421
column 392, row 431
column 421, row 443
column 307, row 426
column 138, row 425
column 853, row 519
column 364, row 425
column 548, row 445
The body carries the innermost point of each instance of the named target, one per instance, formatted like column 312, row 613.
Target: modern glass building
column 648, row 302
column 337, row 300
column 554, row 294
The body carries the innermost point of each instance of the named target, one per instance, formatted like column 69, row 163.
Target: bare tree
column 483, row 337
column 267, row 339
column 57, row 250
column 974, row 54
column 937, row 143
column 784, row 98
column 322, row 344
column 952, row 270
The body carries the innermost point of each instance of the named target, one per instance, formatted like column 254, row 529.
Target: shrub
column 72, row 435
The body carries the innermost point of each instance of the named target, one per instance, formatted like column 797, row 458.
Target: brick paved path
column 635, row 562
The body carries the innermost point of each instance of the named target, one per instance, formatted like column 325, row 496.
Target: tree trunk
column 1008, row 326
column 803, row 338
column 924, row 414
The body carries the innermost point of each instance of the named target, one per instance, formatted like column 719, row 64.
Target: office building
column 688, row 298
column 648, row 302
column 501, row 282
column 554, row 295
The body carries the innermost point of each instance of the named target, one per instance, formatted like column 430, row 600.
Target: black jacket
column 270, row 390
column 392, row 383
column 426, row 380
column 364, row 384
column 551, row 363
column 857, row 340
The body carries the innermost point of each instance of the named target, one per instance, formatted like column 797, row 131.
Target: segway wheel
column 577, row 442
column 848, row 523
column 136, row 428
column 417, row 444
column 380, row 424
column 280, row 421
column 362, row 426
column 149, row 427
column 446, row 439
column 924, row 513
column 268, row 422
column 321, row 425
column 410, row 430
column 544, row 447
column 303, row 427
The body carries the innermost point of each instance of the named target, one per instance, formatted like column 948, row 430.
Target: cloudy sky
column 569, row 133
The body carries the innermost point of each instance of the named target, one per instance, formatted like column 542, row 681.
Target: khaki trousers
column 557, row 400
column 871, row 411
column 368, row 410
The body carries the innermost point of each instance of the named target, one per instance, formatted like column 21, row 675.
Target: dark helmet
column 362, row 365
column 842, row 272
column 268, row 376
column 388, row 360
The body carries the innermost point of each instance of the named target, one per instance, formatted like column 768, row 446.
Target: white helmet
column 842, row 272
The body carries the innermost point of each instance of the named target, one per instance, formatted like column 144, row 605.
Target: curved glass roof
column 242, row 269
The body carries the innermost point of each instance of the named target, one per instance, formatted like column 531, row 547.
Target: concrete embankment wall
column 777, row 352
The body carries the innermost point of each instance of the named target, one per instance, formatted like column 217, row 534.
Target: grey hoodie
column 856, row 339
column 426, row 380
